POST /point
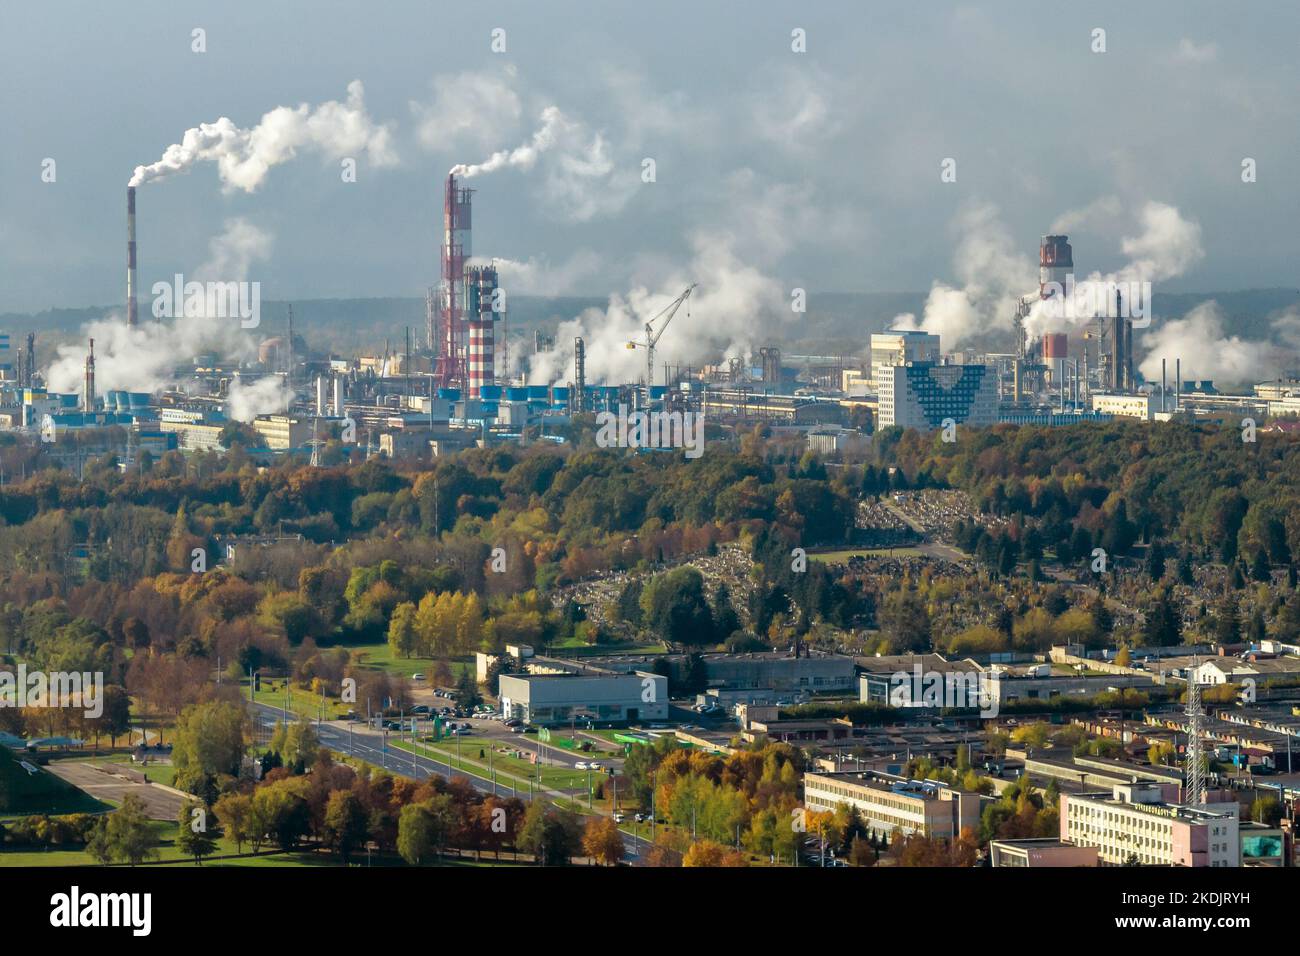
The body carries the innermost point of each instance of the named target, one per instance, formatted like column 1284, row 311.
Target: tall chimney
column 1178, row 382
column 338, row 397
column 1162, row 385
column 320, row 396
column 89, row 397
column 131, row 316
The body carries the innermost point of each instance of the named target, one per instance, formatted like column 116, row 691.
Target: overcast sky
column 818, row 169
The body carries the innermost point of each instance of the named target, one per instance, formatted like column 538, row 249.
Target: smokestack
column 1162, row 385
column 579, row 375
column 456, row 250
column 131, row 317
column 338, row 398
column 1178, row 383
column 320, row 396
column 89, row 397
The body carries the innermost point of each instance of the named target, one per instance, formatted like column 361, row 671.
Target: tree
column 1266, row 810
column 712, row 854
column 402, row 635
column 209, row 746
column 235, row 811
column 602, row 841
column 193, row 837
column 415, row 834
column 552, row 836
column 125, row 835
column 675, row 607
column 346, row 823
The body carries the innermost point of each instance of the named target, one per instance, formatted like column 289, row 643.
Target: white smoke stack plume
column 521, row 157
column 245, row 156
column 144, row 358
column 266, row 396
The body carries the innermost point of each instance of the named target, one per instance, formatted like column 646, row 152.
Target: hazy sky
column 818, row 169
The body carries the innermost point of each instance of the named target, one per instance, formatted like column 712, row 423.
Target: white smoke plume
column 143, row 359
column 265, row 396
column 536, row 276
column 1166, row 246
column 521, row 157
column 992, row 274
column 731, row 312
column 469, row 108
column 582, row 180
column 245, row 156
column 1199, row 340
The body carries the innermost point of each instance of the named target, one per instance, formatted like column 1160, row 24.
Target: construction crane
column 652, row 336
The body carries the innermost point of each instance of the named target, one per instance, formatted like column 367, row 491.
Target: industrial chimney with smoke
column 131, row 316
column 449, row 368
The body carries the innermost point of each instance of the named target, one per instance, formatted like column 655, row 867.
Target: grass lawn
column 156, row 772
column 23, row 794
column 509, row 770
column 842, row 557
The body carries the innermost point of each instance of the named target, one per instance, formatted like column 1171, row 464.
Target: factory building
column 898, row 348
column 922, row 395
column 559, row 698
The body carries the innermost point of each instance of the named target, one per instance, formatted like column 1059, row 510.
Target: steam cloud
column 992, row 274
column 143, row 359
column 1165, row 248
column 733, row 308
column 1198, row 339
column 262, row 397
column 245, row 156
column 521, row 157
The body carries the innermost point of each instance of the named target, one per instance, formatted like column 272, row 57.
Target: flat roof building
column 899, row 348
column 1040, row 852
column 557, row 699
column 890, row 803
column 1134, row 823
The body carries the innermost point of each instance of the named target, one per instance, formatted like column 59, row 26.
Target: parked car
column 417, row 676
column 513, row 722
column 421, row 709
column 580, row 765
column 618, row 816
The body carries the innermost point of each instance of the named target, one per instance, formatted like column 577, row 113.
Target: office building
column 923, row 395
column 1133, row 823
column 889, row 803
column 899, row 348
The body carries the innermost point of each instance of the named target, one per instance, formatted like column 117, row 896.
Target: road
column 368, row 745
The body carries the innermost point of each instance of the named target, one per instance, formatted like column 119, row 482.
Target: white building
column 899, row 348
column 1134, row 823
column 922, row 395
column 1123, row 406
column 559, row 698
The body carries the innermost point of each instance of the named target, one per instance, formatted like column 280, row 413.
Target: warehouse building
column 560, row 698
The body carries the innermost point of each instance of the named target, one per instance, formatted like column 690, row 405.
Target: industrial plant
column 458, row 388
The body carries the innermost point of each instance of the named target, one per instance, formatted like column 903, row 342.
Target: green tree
column 346, row 823
column 402, row 635
column 125, row 835
column 194, row 837
column 209, row 746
